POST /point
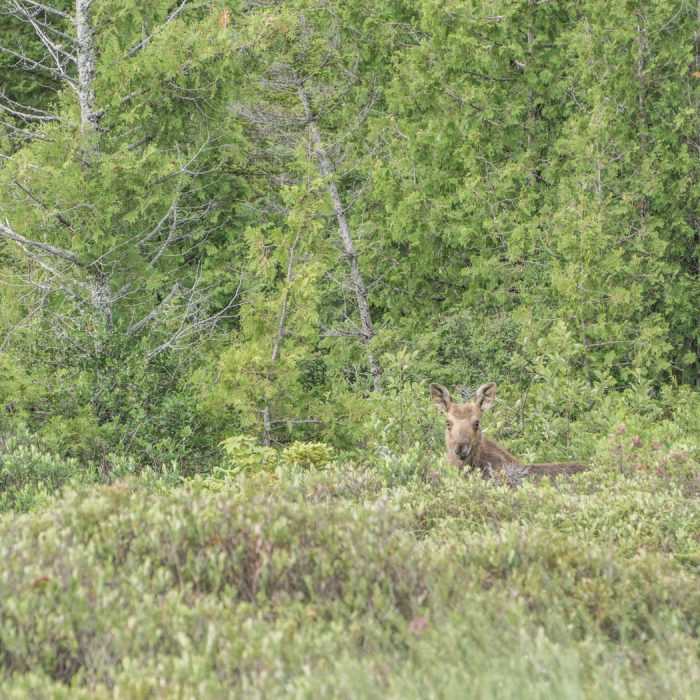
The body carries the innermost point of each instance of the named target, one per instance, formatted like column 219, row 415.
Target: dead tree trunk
column 267, row 422
column 349, row 249
column 85, row 59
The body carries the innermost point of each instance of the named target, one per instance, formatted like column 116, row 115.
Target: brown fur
column 466, row 446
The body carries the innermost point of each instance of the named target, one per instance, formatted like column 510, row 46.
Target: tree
column 114, row 248
column 303, row 56
column 264, row 369
column 620, row 216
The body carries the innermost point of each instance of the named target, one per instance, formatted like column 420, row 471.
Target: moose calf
column 468, row 448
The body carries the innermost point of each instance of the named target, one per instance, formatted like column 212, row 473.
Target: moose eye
column 476, row 425
column 449, row 423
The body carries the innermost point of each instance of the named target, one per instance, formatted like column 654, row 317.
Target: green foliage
column 521, row 185
column 245, row 454
column 308, row 455
column 29, row 476
column 530, row 218
column 282, row 274
column 118, row 326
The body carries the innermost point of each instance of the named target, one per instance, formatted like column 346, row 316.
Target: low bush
column 328, row 583
column 29, row 475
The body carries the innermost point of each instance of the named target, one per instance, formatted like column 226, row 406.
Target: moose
column 467, row 447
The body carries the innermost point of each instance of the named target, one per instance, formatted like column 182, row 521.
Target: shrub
column 245, row 454
column 307, row 455
column 30, row 475
column 326, row 583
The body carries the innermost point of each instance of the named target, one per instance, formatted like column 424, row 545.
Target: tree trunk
column 267, row 423
column 349, row 250
column 89, row 117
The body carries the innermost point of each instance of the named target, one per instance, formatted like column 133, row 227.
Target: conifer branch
column 147, row 40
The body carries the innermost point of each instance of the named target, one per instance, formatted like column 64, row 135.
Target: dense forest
column 238, row 240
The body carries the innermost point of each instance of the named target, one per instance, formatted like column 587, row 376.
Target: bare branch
column 296, row 421
column 345, row 333
column 41, row 29
column 49, row 10
column 186, row 168
column 7, row 232
column 178, row 223
column 192, row 323
column 30, row 64
column 43, row 206
column 25, row 134
column 280, row 333
column 54, row 281
column 25, row 112
column 136, row 327
column 159, row 226
column 33, row 17
column 140, row 142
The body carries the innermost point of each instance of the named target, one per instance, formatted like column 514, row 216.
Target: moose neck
column 486, row 454
column 474, row 459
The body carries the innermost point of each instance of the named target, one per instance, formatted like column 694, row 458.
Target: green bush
column 307, row 455
column 29, row 476
column 245, row 456
column 327, row 583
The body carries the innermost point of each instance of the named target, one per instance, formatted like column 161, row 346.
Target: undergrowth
column 344, row 580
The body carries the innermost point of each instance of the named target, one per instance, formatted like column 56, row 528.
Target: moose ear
column 486, row 395
column 441, row 397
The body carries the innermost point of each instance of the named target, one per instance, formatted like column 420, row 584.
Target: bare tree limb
column 267, row 437
column 55, row 281
column 182, row 314
column 42, row 205
column 42, row 29
column 25, row 112
column 192, row 322
column 62, row 50
column 345, row 333
column 296, row 421
column 24, row 11
column 49, row 10
column 8, row 232
column 31, row 65
column 136, row 327
column 20, row 134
